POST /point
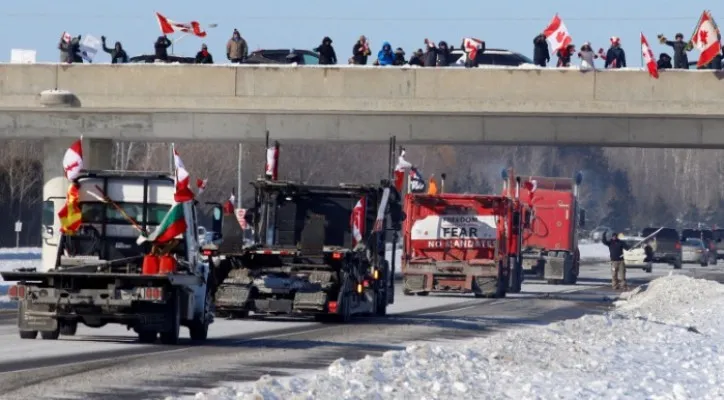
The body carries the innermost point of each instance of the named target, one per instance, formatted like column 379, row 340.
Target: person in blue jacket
column 386, row 56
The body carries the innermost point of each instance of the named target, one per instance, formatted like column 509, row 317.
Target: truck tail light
column 16, row 292
column 678, row 245
column 336, row 256
column 150, row 293
column 208, row 252
column 332, row 307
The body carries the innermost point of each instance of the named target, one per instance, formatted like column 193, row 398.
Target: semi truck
column 550, row 246
column 102, row 274
column 318, row 251
column 463, row 243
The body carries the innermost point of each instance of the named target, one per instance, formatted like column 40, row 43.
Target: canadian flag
column 649, row 57
column 400, row 168
column 168, row 26
column 201, row 184
column 557, row 34
column 229, row 205
column 357, row 221
column 706, row 39
column 471, row 47
column 271, row 169
column 183, row 189
column 73, row 160
column 531, row 186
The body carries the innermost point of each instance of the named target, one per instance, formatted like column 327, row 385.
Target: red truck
column 462, row 243
column 550, row 246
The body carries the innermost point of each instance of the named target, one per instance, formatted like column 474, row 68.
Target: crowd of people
column 433, row 55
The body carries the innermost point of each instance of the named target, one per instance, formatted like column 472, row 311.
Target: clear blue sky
column 38, row 24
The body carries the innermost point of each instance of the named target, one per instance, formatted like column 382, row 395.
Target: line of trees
column 622, row 188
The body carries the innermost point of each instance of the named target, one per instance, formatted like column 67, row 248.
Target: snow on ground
column 13, row 258
column 663, row 342
column 593, row 251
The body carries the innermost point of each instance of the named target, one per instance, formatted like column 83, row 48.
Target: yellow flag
column 70, row 214
column 432, row 186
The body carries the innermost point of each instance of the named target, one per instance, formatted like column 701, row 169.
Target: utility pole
column 238, row 174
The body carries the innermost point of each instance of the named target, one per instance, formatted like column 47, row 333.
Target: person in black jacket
column 161, row 48
column 203, row 56
column 664, row 62
column 541, row 55
column 416, row 58
column 430, row 58
column 443, row 54
column 327, row 56
column 616, row 246
column 118, row 55
column 361, row 51
column 681, row 59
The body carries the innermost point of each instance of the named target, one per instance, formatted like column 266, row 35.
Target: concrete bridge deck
column 418, row 105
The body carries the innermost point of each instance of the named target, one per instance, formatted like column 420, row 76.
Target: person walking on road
column 616, row 246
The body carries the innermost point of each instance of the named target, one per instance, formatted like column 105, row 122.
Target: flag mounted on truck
column 172, row 225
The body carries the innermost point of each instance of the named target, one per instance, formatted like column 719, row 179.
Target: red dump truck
column 550, row 246
column 462, row 243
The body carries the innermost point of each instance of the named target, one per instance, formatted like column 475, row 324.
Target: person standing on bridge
column 681, row 59
column 161, row 48
column 236, row 48
column 541, row 54
column 615, row 57
column 327, row 55
column 616, row 246
column 203, row 56
column 118, row 55
column 361, row 51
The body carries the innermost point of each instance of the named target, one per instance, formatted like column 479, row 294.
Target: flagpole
column 170, row 161
column 238, row 175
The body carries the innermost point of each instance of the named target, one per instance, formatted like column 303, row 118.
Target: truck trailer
column 550, row 246
column 463, row 243
column 101, row 274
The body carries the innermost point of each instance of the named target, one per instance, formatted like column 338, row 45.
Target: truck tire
column 677, row 263
column 172, row 333
column 50, row 335
column 28, row 334
column 68, row 328
column 147, row 337
column 407, row 292
column 199, row 328
column 516, row 278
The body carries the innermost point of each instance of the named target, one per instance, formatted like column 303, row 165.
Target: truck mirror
column 217, row 218
column 582, row 219
column 48, row 213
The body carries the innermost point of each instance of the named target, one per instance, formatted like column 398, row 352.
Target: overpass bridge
column 358, row 104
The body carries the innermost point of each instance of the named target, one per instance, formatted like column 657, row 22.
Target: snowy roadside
column 662, row 342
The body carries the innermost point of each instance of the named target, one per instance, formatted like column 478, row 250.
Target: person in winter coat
column 385, row 56
column 203, row 56
column 361, row 51
column 236, row 48
column 616, row 246
column 443, row 54
column 664, row 61
column 64, row 47
column 118, row 55
column 417, row 58
column 327, row 56
column 430, row 58
column 75, row 50
column 541, row 55
column 399, row 57
column 587, row 56
column 161, row 48
column 681, row 59
column 615, row 57
column 564, row 56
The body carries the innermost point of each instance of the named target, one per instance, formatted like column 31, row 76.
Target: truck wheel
column 649, row 269
column 199, row 329
column 407, row 292
column 171, row 335
column 68, row 328
column 50, row 335
column 423, row 293
column 28, row 334
column 147, row 336
column 677, row 264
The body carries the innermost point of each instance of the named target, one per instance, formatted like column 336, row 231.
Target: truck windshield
column 107, row 213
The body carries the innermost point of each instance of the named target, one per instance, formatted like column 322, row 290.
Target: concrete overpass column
column 97, row 154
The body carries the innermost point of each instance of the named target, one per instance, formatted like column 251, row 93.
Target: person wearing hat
column 664, row 62
column 203, row 56
column 399, row 57
column 327, row 55
column 417, row 58
column 681, row 59
column 587, row 56
column 616, row 246
column 236, row 48
column 615, row 57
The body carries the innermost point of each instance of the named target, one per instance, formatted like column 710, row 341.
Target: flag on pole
column 400, row 168
column 271, row 168
column 183, row 190
column 432, row 185
column 557, row 34
column 172, row 225
column 649, row 60
column 70, row 215
column 706, row 39
column 168, row 26
column 357, row 221
column 201, row 185
column 73, row 160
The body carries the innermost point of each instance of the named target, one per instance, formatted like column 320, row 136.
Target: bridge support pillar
column 97, row 154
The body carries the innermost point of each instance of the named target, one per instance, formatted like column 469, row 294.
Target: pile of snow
column 663, row 342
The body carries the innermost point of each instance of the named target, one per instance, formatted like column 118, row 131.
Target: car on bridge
column 492, row 57
column 283, row 56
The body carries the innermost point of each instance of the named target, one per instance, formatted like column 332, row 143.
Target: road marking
column 454, row 309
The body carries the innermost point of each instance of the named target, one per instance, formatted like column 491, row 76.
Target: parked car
column 283, row 56
column 496, row 57
column 719, row 242
column 597, row 233
column 693, row 251
column 666, row 245
column 707, row 237
column 637, row 257
column 151, row 59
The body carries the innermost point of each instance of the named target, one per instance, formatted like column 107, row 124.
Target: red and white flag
column 471, row 47
column 201, row 185
column 706, row 39
column 168, row 26
column 271, row 169
column 400, row 168
column 557, row 34
column 649, row 57
column 183, row 184
column 73, row 160
column 531, row 186
column 357, row 221
column 229, row 205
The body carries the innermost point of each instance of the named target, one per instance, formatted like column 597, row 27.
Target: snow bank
column 662, row 343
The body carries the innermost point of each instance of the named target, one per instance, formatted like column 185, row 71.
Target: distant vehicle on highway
column 707, row 237
column 719, row 241
column 693, row 251
column 494, row 57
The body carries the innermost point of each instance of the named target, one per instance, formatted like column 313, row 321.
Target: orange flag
column 70, row 214
column 432, row 186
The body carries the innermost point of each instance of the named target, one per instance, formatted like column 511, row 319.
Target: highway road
column 107, row 363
